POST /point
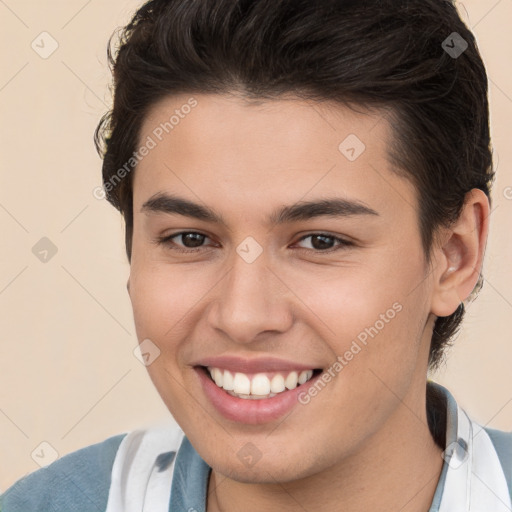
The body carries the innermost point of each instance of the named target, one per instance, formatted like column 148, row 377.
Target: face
column 266, row 283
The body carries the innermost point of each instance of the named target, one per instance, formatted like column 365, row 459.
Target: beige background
column 68, row 374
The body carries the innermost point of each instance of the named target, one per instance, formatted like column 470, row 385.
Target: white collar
column 474, row 481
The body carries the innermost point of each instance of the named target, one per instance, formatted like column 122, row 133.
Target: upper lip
column 253, row 365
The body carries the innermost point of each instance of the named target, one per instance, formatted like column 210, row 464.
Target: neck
column 383, row 474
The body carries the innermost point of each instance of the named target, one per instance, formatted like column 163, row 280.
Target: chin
column 274, row 470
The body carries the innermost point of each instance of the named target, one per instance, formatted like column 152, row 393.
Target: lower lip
column 253, row 412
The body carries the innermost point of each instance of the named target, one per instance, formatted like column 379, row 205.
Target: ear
column 128, row 286
column 460, row 254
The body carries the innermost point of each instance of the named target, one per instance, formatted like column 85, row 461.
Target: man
column 307, row 206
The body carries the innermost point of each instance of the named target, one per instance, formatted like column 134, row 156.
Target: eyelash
column 167, row 241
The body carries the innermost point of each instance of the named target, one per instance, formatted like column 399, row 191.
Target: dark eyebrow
column 304, row 210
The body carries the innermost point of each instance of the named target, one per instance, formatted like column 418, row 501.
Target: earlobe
column 460, row 255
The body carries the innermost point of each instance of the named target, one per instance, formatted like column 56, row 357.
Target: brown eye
column 192, row 239
column 189, row 240
column 323, row 242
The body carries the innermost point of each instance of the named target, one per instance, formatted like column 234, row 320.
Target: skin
column 357, row 444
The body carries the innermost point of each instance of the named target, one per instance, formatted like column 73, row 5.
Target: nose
column 251, row 301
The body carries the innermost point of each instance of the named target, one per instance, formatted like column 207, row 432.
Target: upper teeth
column 259, row 384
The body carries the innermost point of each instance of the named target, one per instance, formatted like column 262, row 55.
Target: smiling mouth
column 257, row 386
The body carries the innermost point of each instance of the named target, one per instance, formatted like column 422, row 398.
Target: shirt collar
column 472, row 478
column 190, row 480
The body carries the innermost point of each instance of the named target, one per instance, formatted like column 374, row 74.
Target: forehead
column 250, row 155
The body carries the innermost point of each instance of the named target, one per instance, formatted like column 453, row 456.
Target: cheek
column 371, row 311
column 347, row 299
column 162, row 296
column 162, row 304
